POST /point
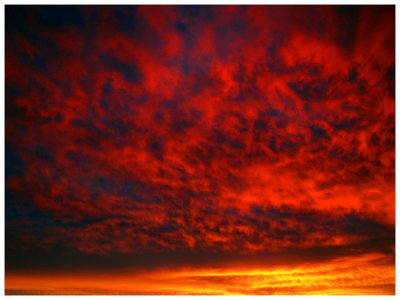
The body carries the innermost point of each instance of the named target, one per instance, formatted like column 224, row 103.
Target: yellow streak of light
column 364, row 275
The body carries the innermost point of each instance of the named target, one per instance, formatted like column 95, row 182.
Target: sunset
column 200, row 150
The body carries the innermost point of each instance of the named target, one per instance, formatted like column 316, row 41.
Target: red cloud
column 226, row 129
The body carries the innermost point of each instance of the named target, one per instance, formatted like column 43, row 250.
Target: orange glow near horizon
column 345, row 276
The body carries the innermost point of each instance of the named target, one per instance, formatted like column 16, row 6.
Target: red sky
column 200, row 149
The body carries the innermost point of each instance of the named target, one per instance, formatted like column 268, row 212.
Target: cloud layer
column 195, row 133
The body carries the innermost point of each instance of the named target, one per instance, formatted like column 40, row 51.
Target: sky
column 200, row 150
